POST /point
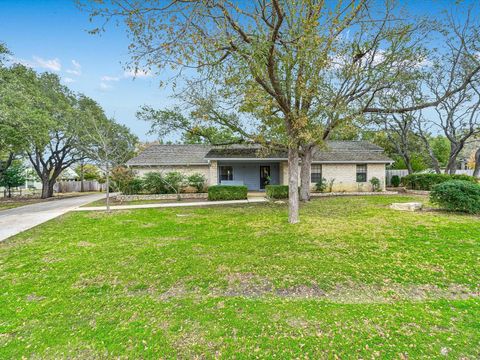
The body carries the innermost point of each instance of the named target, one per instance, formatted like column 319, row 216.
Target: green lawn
column 353, row 280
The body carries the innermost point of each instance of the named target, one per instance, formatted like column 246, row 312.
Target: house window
column 316, row 174
column 226, row 173
column 362, row 173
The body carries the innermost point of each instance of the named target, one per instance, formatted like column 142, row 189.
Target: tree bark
column 293, row 203
column 47, row 187
column 305, row 174
column 107, row 184
column 82, row 176
column 476, row 171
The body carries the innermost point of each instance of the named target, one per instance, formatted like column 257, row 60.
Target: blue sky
column 51, row 35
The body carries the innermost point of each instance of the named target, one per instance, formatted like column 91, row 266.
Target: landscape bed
column 354, row 279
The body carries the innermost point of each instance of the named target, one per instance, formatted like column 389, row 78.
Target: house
column 348, row 165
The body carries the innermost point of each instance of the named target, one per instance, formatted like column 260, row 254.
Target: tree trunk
column 293, row 202
column 47, row 186
column 408, row 163
column 107, row 184
column 305, row 174
column 476, row 171
column 82, row 177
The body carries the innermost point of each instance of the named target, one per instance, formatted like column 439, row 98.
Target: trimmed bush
column 153, row 183
column 197, row 181
column 395, row 181
column 320, row 186
column 375, row 182
column 427, row 181
column 225, row 192
column 134, row 186
column 174, row 181
column 457, row 195
column 277, row 191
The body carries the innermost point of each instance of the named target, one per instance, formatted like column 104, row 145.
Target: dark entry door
column 264, row 176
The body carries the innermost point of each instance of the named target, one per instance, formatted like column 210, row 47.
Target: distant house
column 349, row 165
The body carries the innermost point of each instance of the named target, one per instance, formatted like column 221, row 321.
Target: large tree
column 302, row 67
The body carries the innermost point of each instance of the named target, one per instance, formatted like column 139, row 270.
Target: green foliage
column 197, row 181
column 457, row 195
column 174, row 181
column 395, row 181
column 13, row 177
column 153, row 183
column 441, row 149
column 375, row 182
column 427, row 181
column 134, row 186
column 122, row 179
column 321, row 186
column 225, row 192
column 277, row 191
column 90, row 172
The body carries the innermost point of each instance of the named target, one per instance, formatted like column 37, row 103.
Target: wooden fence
column 76, row 186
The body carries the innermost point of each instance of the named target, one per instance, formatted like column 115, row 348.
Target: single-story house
column 349, row 165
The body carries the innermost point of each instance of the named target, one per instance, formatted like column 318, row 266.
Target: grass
column 354, row 280
column 113, row 201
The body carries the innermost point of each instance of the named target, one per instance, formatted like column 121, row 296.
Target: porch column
column 283, row 173
column 213, row 173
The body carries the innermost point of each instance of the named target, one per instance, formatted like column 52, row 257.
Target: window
column 362, row 173
column 226, row 173
column 316, row 174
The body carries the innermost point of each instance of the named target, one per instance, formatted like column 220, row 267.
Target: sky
column 51, row 35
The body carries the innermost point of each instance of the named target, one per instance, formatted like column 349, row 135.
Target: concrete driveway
column 16, row 220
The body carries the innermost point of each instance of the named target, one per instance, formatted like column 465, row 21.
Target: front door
column 264, row 176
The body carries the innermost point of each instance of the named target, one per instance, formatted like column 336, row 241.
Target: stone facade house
column 347, row 165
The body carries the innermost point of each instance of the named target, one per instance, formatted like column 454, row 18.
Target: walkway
column 16, row 220
column 174, row 204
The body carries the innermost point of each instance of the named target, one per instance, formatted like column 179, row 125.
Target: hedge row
column 277, row 191
column 457, row 195
column 428, row 181
column 226, row 192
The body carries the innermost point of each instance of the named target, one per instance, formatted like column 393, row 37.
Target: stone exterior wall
column 161, row 197
column 213, row 173
column 344, row 175
column 184, row 169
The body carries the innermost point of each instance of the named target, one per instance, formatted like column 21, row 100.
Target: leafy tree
column 13, row 177
column 88, row 172
column 167, row 122
column 288, row 64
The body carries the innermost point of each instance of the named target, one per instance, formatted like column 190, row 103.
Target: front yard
column 354, row 280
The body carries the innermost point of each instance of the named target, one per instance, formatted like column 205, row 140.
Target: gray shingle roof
column 171, row 155
column 335, row 151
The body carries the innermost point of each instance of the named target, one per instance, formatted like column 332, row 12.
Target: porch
column 253, row 174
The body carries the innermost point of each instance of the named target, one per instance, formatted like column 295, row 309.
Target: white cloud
column 137, row 73
column 49, row 64
column 77, row 68
column 105, row 86
column 68, row 80
column 109, row 78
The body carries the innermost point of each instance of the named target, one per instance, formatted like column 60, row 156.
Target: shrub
column 197, row 181
column 395, row 181
column 375, row 182
column 321, row 186
column 153, row 183
column 174, row 181
column 225, row 192
column 277, row 191
column 457, row 195
column 134, row 186
column 427, row 181
column 121, row 177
